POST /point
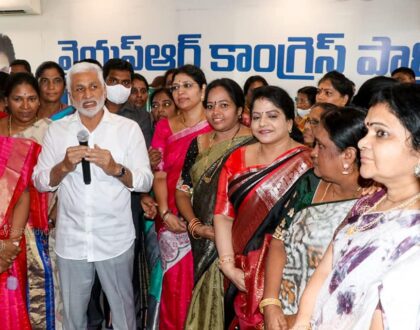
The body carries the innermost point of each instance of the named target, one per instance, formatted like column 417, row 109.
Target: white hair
column 84, row 67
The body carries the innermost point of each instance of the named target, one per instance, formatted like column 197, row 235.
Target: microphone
column 83, row 137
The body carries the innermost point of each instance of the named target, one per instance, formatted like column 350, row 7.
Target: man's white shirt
column 94, row 221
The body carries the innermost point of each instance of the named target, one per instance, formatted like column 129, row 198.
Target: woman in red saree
column 17, row 160
column 22, row 94
column 173, row 137
column 254, row 186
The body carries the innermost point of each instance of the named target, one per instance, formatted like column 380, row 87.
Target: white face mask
column 303, row 112
column 117, row 94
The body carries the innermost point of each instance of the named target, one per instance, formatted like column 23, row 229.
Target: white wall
column 249, row 22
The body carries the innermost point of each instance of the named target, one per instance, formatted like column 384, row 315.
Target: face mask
column 117, row 94
column 302, row 112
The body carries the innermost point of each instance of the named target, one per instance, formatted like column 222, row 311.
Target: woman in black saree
column 196, row 196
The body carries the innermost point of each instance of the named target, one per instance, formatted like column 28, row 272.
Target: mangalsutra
column 354, row 194
column 356, row 228
column 207, row 179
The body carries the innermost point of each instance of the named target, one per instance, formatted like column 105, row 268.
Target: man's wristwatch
column 121, row 173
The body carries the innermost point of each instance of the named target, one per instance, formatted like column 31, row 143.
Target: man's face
column 121, row 77
column 87, row 93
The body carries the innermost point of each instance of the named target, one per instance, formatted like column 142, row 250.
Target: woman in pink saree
column 173, row 137
column 17, row 159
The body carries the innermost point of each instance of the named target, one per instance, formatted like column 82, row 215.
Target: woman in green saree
column 196, row 196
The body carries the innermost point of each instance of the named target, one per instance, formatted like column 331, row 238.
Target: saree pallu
column 40, row 274
column 155, row 275
column 259, row 197
column 375, row 265
column 17, row 160
column 206, row 308
column 175, row 249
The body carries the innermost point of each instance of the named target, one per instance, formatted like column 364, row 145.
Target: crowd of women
column 265, row 212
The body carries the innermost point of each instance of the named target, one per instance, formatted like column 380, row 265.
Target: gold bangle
column 192, row 226
column 269, row 301
column 192, row 223
column 192, row 231
column 226, row 259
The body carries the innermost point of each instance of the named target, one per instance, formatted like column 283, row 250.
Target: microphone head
column 83, row 136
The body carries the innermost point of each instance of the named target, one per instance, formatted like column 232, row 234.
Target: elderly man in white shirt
column 94, row 223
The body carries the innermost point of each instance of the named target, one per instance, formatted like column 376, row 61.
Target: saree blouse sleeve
column 159, row 141
column 223, row 205
column 185, row 183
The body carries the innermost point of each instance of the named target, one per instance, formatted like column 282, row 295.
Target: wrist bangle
column 193, row 224
column 165, row 214
column 269, row 301
column 226, row 259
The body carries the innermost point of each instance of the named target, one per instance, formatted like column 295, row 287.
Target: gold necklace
column 325, row 192
column 356, row 228
column 182, row 120
column 207, row 179
column 354, row 194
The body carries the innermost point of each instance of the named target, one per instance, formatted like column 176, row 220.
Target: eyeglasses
column 312, row 122
column 222, row 105
column 163, row 104
column 186, row 85
column 55, row 81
